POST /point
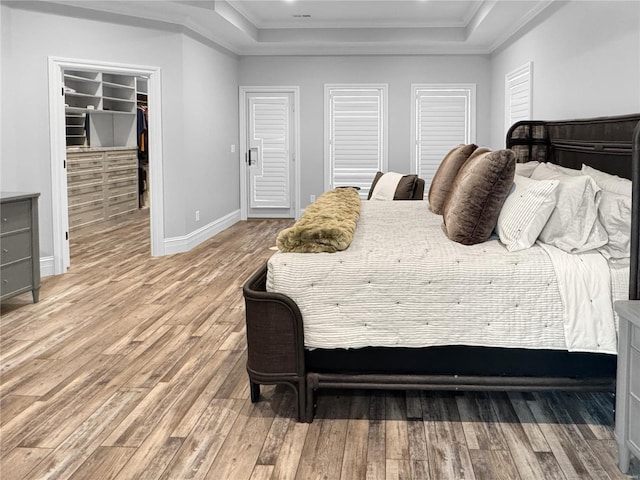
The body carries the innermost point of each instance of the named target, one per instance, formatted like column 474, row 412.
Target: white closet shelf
column 118, row 85
column 80, row 79
column 96, row 111
column 84, row 95
column 116, row 99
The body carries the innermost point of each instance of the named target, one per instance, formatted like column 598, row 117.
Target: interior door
column 269, row 155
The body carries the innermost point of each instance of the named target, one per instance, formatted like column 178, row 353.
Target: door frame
column 59, row 203
column 244, row 91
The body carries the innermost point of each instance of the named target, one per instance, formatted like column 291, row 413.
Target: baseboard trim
column 195, row 238
column 47, row 267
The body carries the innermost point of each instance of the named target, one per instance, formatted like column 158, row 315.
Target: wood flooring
column 133, row 367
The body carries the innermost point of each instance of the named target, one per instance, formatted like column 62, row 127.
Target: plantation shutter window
column 355, row 135
column 518, row 86
column 443, row 117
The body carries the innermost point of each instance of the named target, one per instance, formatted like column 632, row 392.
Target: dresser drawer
column 634, row 372
column 16, row 276
column 15, row 246
column 635, row 337
column 15, row 216
column 634, row 422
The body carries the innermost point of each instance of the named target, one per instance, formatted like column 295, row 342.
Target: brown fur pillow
column 442, row 182
column 479, row 191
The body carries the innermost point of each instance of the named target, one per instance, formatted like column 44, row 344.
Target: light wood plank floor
column 133, row 367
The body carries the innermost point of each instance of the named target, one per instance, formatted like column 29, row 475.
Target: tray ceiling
column 302, row 27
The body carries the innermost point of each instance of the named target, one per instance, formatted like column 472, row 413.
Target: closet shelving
column 102, row 151
column 95, row 93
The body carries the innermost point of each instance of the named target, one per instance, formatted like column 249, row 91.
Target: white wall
column 210, row 112
column 191, row 111
column 399, row 72
column 586, row 63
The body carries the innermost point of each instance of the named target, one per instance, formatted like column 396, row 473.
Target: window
column 518, row 95
column 355, row 135
column 443, row 116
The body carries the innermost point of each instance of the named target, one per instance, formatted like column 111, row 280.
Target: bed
column 282, row 349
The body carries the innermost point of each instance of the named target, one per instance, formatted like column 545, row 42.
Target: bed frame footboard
column 275, row 340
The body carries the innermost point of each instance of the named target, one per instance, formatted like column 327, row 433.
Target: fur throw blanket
column 327, row 225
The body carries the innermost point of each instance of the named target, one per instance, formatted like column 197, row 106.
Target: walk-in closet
column 107, row 144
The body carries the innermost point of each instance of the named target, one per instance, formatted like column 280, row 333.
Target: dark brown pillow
column 479, row 191
column 442, row 182
column 404, row 190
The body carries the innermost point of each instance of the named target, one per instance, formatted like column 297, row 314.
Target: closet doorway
column 94, row 110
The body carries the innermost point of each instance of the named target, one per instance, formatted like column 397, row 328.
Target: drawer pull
column 5, row 281
column 4, row 219
column 5, row 250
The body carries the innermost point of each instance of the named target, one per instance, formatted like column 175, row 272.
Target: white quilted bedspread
column 402, row 282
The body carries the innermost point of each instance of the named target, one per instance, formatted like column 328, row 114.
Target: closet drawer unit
column 84, row 178
column 122, row 158
column 16, row 277
column 122, row 204
column 79, row 162
column 85, row 194
column 123, row 187
column 15, row 246
column 122, row 174
column 15, row 216
column 20, row 263
column 85, row 217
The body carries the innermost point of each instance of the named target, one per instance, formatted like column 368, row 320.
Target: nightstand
column 628, row 383
column 20, row 266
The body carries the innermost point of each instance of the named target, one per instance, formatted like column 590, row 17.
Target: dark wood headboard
column 610, row 144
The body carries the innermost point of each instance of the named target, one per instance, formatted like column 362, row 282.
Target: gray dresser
column 20, row 266
column 628, row 383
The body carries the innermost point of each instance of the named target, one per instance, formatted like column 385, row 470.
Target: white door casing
column 57, row 65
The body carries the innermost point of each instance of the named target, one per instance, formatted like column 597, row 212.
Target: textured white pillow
column 526, row 211
column 608, row 182
column 614, row 212
column 574, row 225
column 566, row 170
column 526, row 169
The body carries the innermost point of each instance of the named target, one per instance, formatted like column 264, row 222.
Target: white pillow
column 574, row 225
column 526, row 169
column 614, row 212
column 566, row 170
column 526, row 211
column 608, row 182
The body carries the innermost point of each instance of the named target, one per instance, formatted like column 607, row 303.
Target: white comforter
column 402, row 282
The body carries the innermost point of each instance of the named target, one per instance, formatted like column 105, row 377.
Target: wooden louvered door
column 444, row 117
column 269, row 156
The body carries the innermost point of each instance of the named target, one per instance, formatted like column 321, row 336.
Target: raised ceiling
column 286, row 27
